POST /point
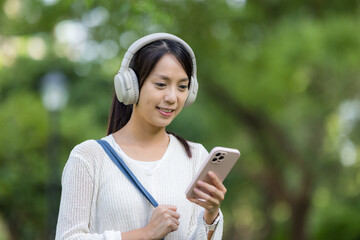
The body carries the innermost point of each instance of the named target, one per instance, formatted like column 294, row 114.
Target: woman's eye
column 160, row 84
column 183, row 87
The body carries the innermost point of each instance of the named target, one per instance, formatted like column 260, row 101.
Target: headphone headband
column 138, row 44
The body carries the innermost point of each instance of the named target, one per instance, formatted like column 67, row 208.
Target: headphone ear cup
column 126, row 86
column 193, row 89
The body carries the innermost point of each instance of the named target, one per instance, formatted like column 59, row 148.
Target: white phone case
column 220, row 161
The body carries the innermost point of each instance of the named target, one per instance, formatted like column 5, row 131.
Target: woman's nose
column 170, row 95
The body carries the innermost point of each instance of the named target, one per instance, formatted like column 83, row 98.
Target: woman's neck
column 142, row 144
column 142, row 134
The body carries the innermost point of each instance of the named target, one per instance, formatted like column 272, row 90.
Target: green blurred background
column 279, row 80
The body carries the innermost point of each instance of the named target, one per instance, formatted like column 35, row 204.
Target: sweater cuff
column 218, row 221
column 211, row 227
column 218, row 229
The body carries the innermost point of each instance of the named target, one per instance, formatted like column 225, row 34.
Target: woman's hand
column 212, row 199
column 164, row 219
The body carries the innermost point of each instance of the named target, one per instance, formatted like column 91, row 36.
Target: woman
column 156, row 80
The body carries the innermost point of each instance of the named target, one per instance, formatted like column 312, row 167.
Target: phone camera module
column 219, row 156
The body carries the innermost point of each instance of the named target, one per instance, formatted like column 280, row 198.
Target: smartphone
column 220, row 161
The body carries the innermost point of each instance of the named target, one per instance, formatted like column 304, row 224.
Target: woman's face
column 163, row 93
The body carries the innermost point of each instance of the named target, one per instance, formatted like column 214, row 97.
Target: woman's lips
column 167, row 112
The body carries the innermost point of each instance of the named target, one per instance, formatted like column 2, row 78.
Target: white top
column 99, row 202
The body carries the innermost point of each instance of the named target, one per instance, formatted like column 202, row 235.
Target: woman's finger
column 215, row 192
column 207, row 199
column 201, row 203
column 217, row 182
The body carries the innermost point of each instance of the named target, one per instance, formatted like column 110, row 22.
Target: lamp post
column 54, row 98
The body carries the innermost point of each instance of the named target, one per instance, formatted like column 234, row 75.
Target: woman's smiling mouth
column 165, row 111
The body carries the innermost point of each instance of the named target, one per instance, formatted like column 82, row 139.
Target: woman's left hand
column 210, row 201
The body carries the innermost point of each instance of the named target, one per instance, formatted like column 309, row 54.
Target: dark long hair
column 143, row 62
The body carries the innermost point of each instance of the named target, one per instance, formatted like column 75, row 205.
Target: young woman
column 156, row 80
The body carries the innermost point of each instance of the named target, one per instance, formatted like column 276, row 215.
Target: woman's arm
column 202, row 231
column 164, row 220
column 210, row 202
column 76, row 200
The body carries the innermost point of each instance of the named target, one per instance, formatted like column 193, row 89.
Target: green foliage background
column 279, row 80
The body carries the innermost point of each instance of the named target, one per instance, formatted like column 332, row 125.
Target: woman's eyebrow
column 166, row 78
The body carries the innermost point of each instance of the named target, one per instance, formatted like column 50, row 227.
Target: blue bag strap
column 128, row 173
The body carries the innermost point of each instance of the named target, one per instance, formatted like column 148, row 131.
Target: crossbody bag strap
column 125, row 169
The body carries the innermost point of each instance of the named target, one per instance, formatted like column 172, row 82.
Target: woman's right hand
column 164, row 220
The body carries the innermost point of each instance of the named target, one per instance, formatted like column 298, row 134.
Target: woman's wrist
column 146, row 233
column 140, row 233
column 210, row 217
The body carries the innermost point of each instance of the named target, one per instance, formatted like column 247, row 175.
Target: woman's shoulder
column 197, row 146
column 87, row 154
column 86, row 148
column 199, row 151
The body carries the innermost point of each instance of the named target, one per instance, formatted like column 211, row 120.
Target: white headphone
column 126, row 82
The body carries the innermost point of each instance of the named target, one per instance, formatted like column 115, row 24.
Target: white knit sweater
column 99, row 202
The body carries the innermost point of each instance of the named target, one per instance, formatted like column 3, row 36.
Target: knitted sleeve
column 201, row 232
column 76, row 199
